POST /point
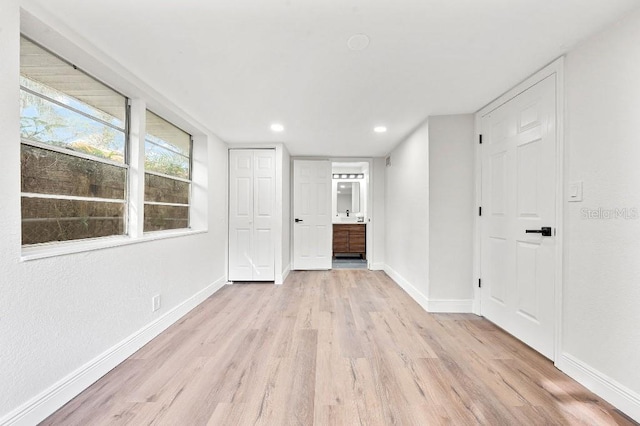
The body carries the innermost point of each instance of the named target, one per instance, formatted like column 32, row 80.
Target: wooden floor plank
column 340, row 347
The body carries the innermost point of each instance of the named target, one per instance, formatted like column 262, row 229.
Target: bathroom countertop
column 338, row 220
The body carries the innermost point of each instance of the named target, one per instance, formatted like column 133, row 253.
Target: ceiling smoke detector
column 358, row 42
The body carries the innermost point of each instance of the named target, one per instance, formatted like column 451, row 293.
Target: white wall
column 429, row 208
column 377, row 220
column 57, row 314
column 451, row 210
column 601, row 314
column 407, row 215
column 286, row 213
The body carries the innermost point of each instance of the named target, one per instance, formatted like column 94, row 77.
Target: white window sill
column 79, row 246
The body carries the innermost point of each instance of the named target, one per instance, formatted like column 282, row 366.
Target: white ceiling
column 240, row 65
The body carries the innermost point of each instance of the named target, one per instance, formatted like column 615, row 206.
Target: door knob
column 298, row 220
column 545, row 231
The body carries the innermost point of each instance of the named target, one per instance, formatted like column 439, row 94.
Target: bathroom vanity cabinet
column 350, row 238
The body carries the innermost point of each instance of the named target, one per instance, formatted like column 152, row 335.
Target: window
column 167, row 163
column 73, row 151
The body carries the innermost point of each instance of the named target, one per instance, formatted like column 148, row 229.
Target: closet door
column 240, row 215
column 251, row 214
column 264, row 190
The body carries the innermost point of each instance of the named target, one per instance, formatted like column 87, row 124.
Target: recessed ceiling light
column 277, row 127
column 380, row 129
column 358, row 42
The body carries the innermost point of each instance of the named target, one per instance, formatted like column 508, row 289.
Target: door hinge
column 480, row 139
column 479, row 282
column 479, row 211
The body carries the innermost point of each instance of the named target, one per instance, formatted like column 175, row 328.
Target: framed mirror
column 348, row 197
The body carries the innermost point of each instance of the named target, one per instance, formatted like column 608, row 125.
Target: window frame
column 125, row 201
column 188, row 180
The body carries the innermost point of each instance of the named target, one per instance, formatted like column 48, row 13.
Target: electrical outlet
column 155, row 303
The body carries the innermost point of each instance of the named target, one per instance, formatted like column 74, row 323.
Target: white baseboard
column 435, row 305
column 408, row 287
column 48, row 401
column 280, row 279
column 623, row 398
column 452, row 306
column 377, row 266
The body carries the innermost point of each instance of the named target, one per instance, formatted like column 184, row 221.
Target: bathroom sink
column 346, row 220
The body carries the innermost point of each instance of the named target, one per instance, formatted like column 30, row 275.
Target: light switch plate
column 575, row 192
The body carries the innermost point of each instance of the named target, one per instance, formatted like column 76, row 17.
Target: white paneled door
column 312, row 228
column 518, row 220
column 251, row 214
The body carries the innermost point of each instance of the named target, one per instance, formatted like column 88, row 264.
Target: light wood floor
column 333, row 348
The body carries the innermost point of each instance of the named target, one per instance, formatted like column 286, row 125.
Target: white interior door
column 251, row 215
column 312, row 231
column 518, row 195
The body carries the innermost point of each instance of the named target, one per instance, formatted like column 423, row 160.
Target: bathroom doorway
column 350, row 218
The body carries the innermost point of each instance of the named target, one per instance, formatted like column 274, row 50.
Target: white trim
column 70, row 198
column 561, row 160
column 477, row 230
column 159, row 203
column 46, row 250
column 415, row 294
column 48, row 401
column 555, row 68
column 281, row 278
column 431, row 306
column 378, row 266
column 623, row 398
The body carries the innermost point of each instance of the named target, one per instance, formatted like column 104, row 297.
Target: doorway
column 316, row 214
column 518, row 248
column 252, row 192
column 350, row 193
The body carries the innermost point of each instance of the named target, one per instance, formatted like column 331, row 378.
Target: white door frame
column 557, row 68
